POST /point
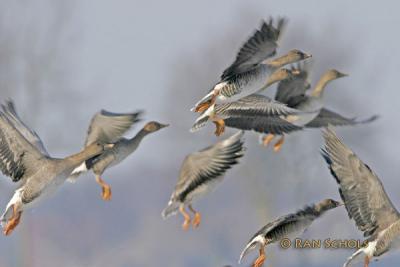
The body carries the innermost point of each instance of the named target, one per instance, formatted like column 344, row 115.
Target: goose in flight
column 293, row 92
column 109, row 127
column 365, row 199
column 200, row 173
column 253, row 112
column 24, row 159
column 288, row 226
column 250, row 72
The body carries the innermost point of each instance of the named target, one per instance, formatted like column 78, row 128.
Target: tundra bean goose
column 24, row 159
column 254, row 112
column 288, row 226
column 365, row 199
column 250, row 73
column 201, row 172
column 108, row 127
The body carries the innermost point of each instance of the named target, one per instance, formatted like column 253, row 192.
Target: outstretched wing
column 208, row 164
column 30, row 135
column 272, row 125
column 253, row 105
column 361, row 190
column 327, row 117
column 260, row 46
column 108, row 127
column 18, row 157
column 290, row 91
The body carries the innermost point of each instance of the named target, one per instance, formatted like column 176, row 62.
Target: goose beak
column 108, row 146
column 307, row 55
column 340, row 204
column 163, row 125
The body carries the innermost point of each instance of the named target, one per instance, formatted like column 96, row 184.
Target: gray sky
column 61, row 62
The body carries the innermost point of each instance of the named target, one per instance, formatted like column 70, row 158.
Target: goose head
column 154, row 126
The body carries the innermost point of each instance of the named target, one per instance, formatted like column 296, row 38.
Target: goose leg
column 260, row 260
column 366, row 262
column 13, row 222
column 267, row 139
column 106, row 189
column 197, row 217
column 186, row 222
column 220, row 126
column 278, row 145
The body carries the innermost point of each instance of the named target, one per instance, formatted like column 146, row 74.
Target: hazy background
column 62, row 61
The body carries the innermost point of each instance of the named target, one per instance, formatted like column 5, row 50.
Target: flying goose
column 200, row 173
column 25, row 160
column 365, row 199
column 288, row 226
column 250, row 73
column 253, row 112
column 108, row 127
column 293, row 92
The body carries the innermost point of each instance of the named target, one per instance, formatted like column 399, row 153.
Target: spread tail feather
column 200, row 123
column 354, row 257
column 9, row 212
column 77, row 172
column 251, row 245
column 171, row 209
column 368, row 120
column 205, row 99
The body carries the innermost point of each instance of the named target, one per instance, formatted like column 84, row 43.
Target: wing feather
column 108, row 127
column 208, row 164
column 361, row 190
column 260, row 46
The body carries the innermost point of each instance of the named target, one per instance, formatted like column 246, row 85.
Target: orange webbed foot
column 266, row 140
column 186, row 222
column 261, row 259
column 278, row 145
column 13, row 222
column 105, row 188
column 220, row 127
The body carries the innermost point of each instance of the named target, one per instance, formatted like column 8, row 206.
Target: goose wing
column 361, row 190
column 292, row 91
column 30, row 135
column 327, row 117
column 19, row 158
column 208, row 164
column 254, row 105
column 272, row 125
column 260, row 46
column 108, row 127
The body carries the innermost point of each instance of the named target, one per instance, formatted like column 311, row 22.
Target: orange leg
column 204, row 106
column 220, row 124
column 278, row 145
column 260, row 260
column 267, row 139
column 13, row 222
column 197, row 217
column 186, row 222
column 366, row 262
column 106, row 189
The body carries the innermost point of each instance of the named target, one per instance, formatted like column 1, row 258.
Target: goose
column 200, row 173
column 254, row 112
column 108, row 127
column 293, row 93
column 364, row 197
column 24, row 159
column 288, row 226
column 250, row 72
